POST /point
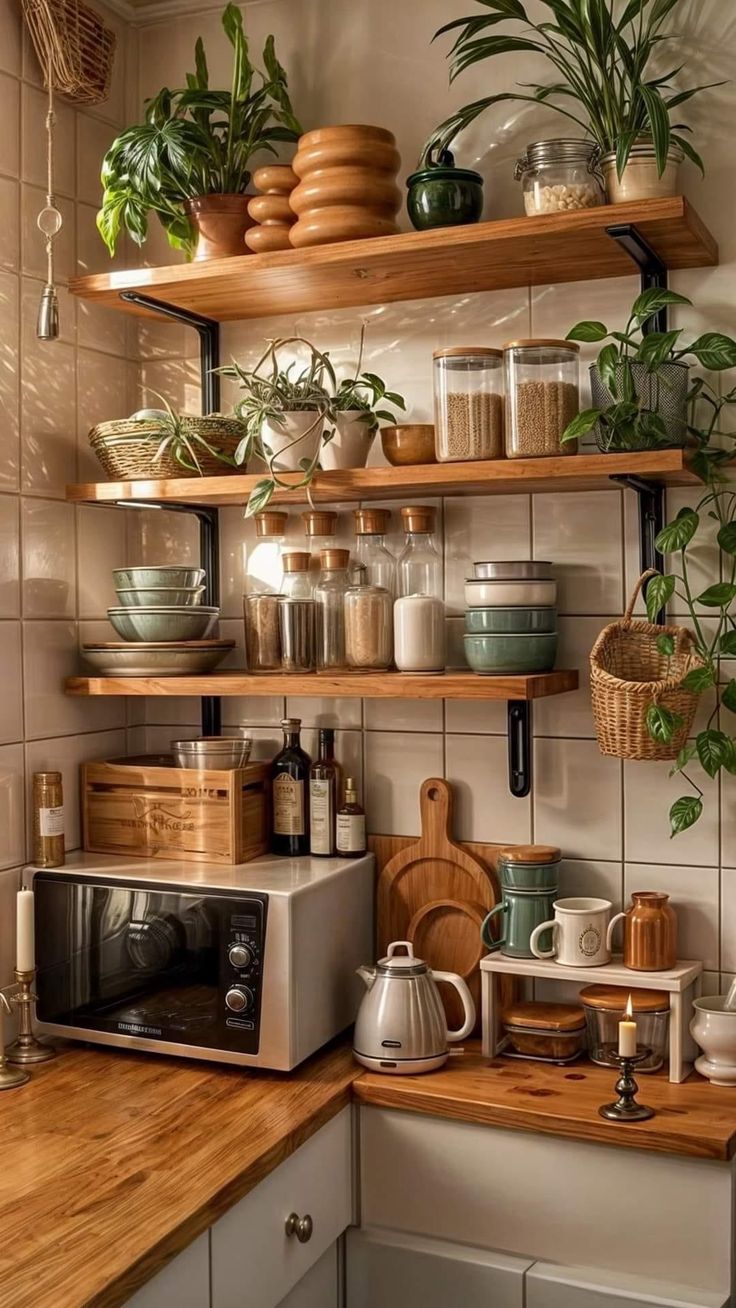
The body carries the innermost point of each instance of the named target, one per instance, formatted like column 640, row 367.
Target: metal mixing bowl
column 218, row 753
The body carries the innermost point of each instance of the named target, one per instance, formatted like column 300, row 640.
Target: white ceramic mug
column 578, row 933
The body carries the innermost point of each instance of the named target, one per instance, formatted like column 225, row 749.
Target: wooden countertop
column 111, row 1163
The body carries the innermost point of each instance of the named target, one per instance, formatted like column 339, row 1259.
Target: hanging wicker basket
column 628, row 673
column 75, row 48
column 128, row 449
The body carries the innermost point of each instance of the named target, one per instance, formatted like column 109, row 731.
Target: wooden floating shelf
column 386, row 685
column 572, row 472
column 490, row 256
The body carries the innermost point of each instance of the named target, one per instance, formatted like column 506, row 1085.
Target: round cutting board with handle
column 446, row 934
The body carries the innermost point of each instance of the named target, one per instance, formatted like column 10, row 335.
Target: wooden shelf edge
column 574, row 472
column 389, row 685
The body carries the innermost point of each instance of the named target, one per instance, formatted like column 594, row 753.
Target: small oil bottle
column 351, row 824
column 48, row 820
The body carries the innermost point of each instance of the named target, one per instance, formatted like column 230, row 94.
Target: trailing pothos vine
column 712, row 612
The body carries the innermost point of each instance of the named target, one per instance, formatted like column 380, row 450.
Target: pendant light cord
column 50, row 198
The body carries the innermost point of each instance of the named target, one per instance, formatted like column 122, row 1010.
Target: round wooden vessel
column 347, row 185
column 271, row 211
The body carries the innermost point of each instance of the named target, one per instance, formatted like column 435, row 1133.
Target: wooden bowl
column 409, row 442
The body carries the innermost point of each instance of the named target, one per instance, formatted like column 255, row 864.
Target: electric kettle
column 401, row 1026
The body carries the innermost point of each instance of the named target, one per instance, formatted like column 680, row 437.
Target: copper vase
column 650, row 932
column 221, row 222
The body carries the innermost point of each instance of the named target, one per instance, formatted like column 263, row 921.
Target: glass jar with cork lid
column 468, row 403
column 264, row 568
column 320, row 529
column 542, row 397
column 369, row 634
column 329, row 603
column 371, row 549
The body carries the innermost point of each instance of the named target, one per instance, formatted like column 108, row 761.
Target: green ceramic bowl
column 161, row 623
column 156, row 596
column 165, row 575
column 444, row 197
column 496, row 655
column 510, row 622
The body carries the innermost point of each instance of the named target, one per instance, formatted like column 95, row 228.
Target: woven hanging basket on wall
column 628, row 673
column 128, row 448
column 74, row 48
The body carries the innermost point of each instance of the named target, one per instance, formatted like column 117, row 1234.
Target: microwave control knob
column 238, row 999
column 240, row 956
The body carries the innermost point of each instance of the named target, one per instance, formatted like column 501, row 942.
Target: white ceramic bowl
column 509, row 594
column 714, row 1029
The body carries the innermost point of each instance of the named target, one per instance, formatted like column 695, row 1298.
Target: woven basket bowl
column 628, row 674
column 127, row 449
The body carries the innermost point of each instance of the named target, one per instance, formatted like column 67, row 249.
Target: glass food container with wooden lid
column 544, row 1032
column 468, row 403
column 542, row 397
column 604, row 1008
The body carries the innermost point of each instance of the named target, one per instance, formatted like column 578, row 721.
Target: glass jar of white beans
column 560, row 177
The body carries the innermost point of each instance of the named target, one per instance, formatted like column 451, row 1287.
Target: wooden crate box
column 133, row 807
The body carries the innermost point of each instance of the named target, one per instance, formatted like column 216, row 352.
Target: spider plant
column 364, row 393
column 195, row 141
column 179, row 440
column 602, row 55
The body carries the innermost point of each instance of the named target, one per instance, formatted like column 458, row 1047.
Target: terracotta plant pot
column 347, row 185
column 271, row 212
column 640, row 179
column 221, row 222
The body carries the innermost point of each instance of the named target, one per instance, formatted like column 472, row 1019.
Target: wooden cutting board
column 436, row 892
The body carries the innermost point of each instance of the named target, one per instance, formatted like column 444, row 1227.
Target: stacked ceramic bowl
column 164, row 626
column 511, row 618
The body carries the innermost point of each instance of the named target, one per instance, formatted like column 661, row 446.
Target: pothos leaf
column 676, row 535
column 662, row 723
column 684, row 813
column 728, row 697
column 699, row 680
column 685, row 756
column 714, row 751
column 666, row 645
column 659, row 592
column 260, row 497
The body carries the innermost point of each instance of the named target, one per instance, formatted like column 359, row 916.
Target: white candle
column 25, row 948
column 627, row 1033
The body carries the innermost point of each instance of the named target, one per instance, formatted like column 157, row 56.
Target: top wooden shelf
column 490, row 256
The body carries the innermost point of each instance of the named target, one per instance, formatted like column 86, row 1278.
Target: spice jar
column 420, row 564
column 297, row 582
column 48, row 820
column 329, row 600
column 262, row 639
column 468, row 403
column 371, row 549
column 369, row 632
column 320, row 529
column 604, row 1009
column 542, row 397
column 560, row 176
column 544, row 1032
column 264, row 568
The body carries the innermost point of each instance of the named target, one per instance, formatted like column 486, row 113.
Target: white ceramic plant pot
column 351, row 443
column 294, row 437
column 641, row 179
column 714, row 1029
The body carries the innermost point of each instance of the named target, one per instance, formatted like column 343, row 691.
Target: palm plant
column 601, row 51
column 195, row 141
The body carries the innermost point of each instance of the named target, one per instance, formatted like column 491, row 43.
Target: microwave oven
column 252, row 964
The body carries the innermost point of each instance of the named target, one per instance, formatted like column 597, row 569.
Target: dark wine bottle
column 323, row 791
column 290, row 782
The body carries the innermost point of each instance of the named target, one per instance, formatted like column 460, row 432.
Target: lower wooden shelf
column 355, row 685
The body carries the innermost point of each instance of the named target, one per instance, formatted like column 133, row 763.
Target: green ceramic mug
column 522, row 911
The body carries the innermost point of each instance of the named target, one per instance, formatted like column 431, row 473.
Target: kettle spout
column 367, row 975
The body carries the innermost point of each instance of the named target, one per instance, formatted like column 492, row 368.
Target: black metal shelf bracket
column 650, row 497
column 209, row 535
column 652, row 270
column 519, row 716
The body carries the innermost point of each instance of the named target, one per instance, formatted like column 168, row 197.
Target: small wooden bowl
column 407, row 443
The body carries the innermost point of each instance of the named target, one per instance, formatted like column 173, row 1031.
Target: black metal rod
column 650, row 503
column 209, row 342
column 653, row 271
column 519, row 716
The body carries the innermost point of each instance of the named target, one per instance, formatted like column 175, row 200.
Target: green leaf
column 588, row 332
column 659, row 122
column 714, row 351
column 714, row 750
column 260, row 497
column 728, row 697
column 654, row 299
column 581, row 425
column 607, row 366
column 656, row 348
column 727, row 538
column 718, row 596
column 727, row 644
column 685, row 756
column 659, row 592
column 685, row 813
column 666, row 645
column 698, row 680
column 678, row 534
column 662, row 723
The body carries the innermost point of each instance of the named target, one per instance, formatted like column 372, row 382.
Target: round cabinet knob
column 240, row 956
column 238, row 999
column 301, row 1227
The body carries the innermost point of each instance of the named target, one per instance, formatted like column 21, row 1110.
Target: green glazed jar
column 441, row 195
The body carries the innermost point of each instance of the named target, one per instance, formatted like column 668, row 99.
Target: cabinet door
column 254, row 1262
column 185, row 1281
column 319, row 1288
column 407, row 1271
column 550, row 1286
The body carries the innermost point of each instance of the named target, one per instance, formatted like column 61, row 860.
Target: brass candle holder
column 626, row 1109
column 26, row 1048
column 10, row 1077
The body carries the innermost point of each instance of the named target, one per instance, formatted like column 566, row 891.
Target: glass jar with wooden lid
column 542, row 397
column 604, row 1008
column 529, row 867
column 320, row 529
column 546, row 1032
column 297, row 581
column 263, row 568
column 329, row 601
column 369, row 628
column 468, row 403
column 371, row 526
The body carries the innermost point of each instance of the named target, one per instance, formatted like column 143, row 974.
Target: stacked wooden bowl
column 271, row 211
column 347, row 185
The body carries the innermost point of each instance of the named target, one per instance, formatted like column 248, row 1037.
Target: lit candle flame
column 629, row 1010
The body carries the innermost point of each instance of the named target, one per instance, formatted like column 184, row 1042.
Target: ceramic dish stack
column 511, row 618
column 165, row 628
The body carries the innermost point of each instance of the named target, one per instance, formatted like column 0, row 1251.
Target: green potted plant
column 188, row 162
column 603, row 80
column 640, row 380
column 356, row 411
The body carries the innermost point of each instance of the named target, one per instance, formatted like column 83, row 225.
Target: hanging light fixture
column 49, row 223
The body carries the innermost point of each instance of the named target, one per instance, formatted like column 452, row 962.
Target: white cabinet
column 409, row 1271
column 549, row 1286
column 255, row 1263
column 320, row 1287
column 185, row 1281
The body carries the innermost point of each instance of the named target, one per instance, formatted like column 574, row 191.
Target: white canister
column 419, row 634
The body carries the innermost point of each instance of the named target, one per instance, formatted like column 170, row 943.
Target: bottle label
column 51, row 821
column 321, row 817
column 350, row 832
column 288, row 806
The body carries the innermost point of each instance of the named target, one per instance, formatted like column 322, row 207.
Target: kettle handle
column 467, row 1001
column 400, row 944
